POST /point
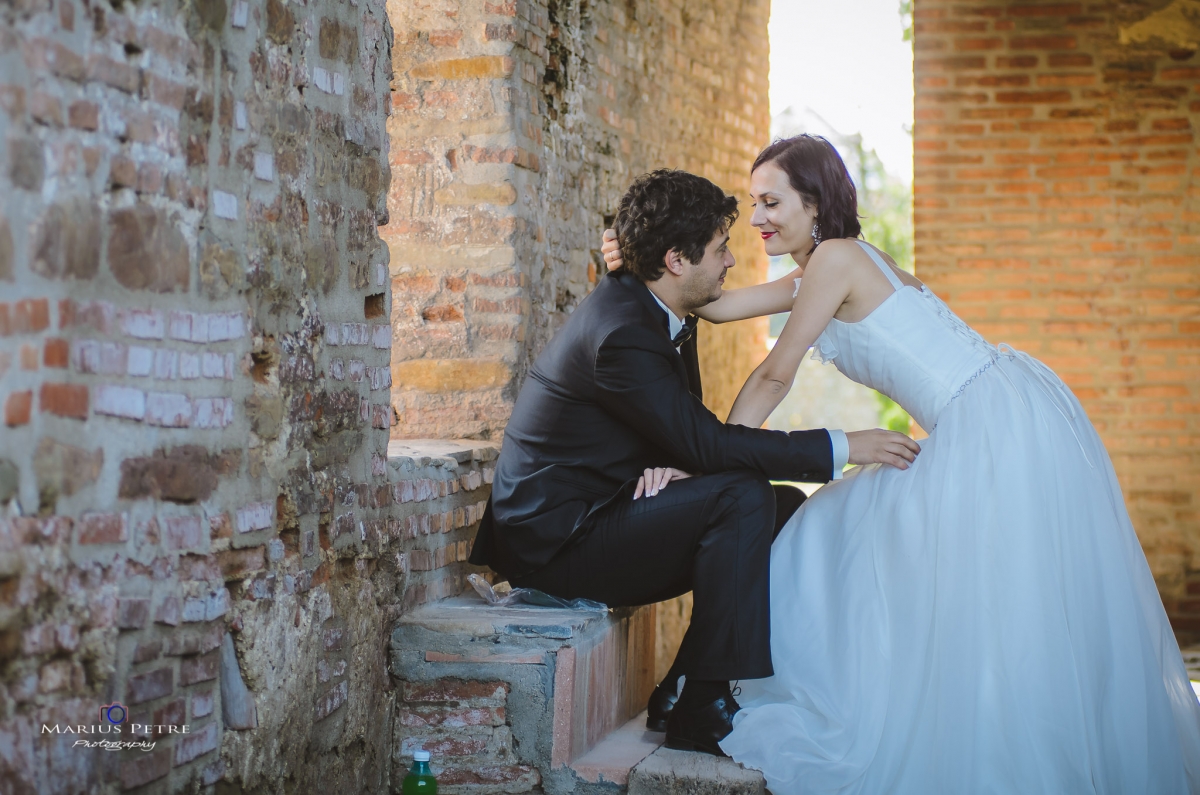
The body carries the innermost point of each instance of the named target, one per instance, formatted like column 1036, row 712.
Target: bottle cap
column 420, row 756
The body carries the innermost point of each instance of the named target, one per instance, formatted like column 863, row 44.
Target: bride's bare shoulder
column 844, row 254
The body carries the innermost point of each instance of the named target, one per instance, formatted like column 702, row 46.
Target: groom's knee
column 747, row 496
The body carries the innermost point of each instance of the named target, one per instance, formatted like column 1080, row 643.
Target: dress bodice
column 911, row 348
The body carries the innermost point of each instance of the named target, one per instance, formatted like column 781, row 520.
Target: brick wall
column 516, row 127
column 1055, row 210
column 194, row 370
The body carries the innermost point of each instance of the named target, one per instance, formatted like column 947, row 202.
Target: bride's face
column 780, row 214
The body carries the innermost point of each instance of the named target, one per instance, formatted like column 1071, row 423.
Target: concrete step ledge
column 611, row 760
column 669, row 772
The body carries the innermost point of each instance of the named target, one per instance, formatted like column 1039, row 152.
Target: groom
column 616, row 392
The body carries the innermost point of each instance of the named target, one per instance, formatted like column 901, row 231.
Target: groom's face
column 704, row 280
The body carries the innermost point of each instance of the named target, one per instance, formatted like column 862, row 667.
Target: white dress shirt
column 837, row 438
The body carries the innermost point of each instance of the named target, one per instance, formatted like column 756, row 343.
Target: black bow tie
column 685, row 333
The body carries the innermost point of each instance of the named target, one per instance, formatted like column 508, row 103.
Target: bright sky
column 848, row 62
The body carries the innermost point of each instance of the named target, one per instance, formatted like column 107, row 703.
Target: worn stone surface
column 146, row 251
column 66, row 242
column 669, row 772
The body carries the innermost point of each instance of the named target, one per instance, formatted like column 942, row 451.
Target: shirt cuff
column 841, row 452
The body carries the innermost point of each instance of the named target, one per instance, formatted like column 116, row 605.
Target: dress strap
column 883, row 266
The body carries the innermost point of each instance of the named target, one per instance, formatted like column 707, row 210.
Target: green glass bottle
column 420, row 780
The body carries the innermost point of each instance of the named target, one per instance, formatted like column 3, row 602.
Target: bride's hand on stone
column 882, row 447
column 611, row 250
column 655, row 480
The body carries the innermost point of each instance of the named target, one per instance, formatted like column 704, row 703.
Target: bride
column 984, row 621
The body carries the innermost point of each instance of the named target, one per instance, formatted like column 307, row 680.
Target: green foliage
column 885, row 203
column 891, row 416
column 906, row 18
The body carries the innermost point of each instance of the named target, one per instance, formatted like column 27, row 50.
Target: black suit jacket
column 608, row 397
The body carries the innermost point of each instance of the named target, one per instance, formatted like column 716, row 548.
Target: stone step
column 669, row 772
column 611, row 759
column 507, row 699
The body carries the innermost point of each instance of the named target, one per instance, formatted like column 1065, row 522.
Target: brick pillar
column 515, row 129
column 1054, row 210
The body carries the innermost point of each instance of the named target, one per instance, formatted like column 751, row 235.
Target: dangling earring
column 816, row 233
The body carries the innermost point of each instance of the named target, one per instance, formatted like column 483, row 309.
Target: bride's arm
column 824, row 287
column 762, row 299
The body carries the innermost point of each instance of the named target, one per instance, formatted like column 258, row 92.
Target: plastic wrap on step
column 502, row 595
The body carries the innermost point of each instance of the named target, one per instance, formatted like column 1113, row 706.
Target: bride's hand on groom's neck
column 611, row 250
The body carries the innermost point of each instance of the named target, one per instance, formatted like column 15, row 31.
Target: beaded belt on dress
column 1050, row 383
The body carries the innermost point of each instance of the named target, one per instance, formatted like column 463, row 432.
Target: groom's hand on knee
column 882, row 447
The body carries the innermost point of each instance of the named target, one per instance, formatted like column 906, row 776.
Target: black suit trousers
column 709, row 534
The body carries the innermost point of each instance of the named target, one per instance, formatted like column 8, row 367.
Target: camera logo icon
column 114, row 713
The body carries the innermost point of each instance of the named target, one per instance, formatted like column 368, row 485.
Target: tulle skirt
column 983, row 622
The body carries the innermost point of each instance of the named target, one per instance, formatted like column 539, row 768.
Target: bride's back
column 895, row 336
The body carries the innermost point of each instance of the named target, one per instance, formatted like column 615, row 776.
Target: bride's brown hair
column 815, row 170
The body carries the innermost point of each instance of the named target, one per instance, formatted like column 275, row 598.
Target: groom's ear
column 673, row 261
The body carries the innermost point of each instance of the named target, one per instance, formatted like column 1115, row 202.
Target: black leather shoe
column 662, row 701
column 700, row 729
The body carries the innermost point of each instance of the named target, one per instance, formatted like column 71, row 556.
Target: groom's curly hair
column 670, row 210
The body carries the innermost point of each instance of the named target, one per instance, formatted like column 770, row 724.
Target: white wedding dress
column 983, row 622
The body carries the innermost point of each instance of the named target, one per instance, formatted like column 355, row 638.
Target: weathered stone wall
column 516, row 127
column 1056, row 209
column 194, row 348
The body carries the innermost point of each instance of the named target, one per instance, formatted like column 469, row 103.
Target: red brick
column 200, row 742
column 18, row 408
column 65, row 400
column 456, row 690
column 525, row 776
column 103, row 528
column 149, row 686
column 237, row 563
column 56, row 353
column 46, row 108
column 122, row 172
column 1048, row 10
column 201, row 668
column 44, row 55
column 114, row 73
column 445, row 38
column 133, row 613
column 1042, row 43
column 442, row 314
column 1032, row 97
column 141, row 768
column 442, row 747
column 405, row 101
column 166, row 92
column 173, row 713
column 494, row 31
column 31, row 315
column 984, row 43
column 451, row 718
